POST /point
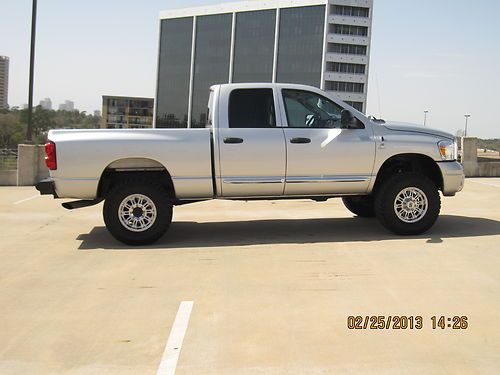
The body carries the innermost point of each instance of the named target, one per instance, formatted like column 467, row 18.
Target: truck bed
column 83, row 156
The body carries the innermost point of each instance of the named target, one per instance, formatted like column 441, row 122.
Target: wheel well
column 145, row 169
column 403, row 163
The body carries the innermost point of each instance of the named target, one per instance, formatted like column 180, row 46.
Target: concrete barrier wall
column 473, row 168
column 8, row 177
column 31, row 165
column 42, row 170
column 488, row 169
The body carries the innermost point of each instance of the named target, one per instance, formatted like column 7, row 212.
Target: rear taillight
column 50, row 159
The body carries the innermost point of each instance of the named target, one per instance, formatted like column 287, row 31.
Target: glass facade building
column 322, row 43
column 254, row 46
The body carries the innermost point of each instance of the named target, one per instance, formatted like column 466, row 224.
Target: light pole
column 425, row 116
column 466, row 118
column 29, row 131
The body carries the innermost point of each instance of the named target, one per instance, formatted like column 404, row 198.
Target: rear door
column 251, row 146
column 322, row 157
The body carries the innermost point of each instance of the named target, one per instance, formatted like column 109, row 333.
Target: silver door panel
column 255, row 167
column 335, row 161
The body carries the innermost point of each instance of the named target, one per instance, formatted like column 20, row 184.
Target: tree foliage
column 13, row 124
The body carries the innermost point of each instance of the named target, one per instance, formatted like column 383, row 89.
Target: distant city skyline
column 426, row 55
column 4, row 82
column 47, row 103
column 68, row 105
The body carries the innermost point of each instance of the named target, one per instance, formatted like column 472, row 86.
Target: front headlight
column 448, row 150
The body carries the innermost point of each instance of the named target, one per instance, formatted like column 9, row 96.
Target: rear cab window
column 252, row 108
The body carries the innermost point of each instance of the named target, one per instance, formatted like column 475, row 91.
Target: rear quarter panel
column 83, row 155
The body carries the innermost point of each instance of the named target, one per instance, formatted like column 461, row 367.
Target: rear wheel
column 408, row 203
column 361, row 206
column 137, row 212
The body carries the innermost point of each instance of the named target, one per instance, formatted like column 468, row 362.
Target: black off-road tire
column 148, row 188
column 362, row 206
column 390, row 189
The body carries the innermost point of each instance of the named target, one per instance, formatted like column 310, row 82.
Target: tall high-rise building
column 322, row 43
column 4, row 82
column 46, row 103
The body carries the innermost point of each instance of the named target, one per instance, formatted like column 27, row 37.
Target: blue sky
column 440, row 55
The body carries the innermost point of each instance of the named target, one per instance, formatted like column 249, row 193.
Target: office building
column 4, row 82
column 68, row 105
column 127, row 112
column 323, row 43
column 46, row 104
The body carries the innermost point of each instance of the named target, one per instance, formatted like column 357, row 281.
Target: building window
column 345, row 10
column 347, row 49
column 254, row 46
column 346, row 68
column 211, row 62
column 356, row 105
column 345, row 86
column 252, row 108
column 349, row 30
column 173, row 73
column 300, row 46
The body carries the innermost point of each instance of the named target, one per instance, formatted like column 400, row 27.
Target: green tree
column 11, row 130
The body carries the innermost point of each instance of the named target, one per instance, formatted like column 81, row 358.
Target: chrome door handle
column 233, row 140
column 300, row 140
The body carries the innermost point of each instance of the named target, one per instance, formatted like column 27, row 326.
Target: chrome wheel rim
column 410, row 205
column 137, row 213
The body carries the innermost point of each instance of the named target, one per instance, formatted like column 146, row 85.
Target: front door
column 322, row 157
column 252, row 148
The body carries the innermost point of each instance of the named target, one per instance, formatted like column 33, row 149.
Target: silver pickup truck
column 262, row 141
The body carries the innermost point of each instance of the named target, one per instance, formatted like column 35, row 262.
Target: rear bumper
column 453, row 177
column 46, row 187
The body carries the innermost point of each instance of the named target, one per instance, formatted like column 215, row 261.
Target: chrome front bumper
column 453, row 177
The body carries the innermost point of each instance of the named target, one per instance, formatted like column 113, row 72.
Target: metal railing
column 8, row 158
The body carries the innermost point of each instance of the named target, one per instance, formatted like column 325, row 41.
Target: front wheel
column 408, row 204
column 137, row 212
column 361, row 206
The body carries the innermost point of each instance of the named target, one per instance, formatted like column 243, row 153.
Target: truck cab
column 289, row 140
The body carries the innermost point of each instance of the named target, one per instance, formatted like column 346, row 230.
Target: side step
column 80, row 204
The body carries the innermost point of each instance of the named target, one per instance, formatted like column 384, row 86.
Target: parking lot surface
column 272, row 284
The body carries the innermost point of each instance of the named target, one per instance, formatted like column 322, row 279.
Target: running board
column 80, row 204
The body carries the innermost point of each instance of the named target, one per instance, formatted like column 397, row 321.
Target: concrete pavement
column 273, row 284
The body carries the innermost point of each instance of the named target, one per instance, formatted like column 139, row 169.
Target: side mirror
column 346, row 118
column 348, row 121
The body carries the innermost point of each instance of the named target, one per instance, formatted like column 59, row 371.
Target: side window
column 252, row 108
column 306, row 109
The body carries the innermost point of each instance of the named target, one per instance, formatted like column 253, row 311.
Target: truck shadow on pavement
column 291, row 231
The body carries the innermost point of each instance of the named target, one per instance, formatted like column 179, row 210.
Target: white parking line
column 27, row 199
column 483, row 183
column 172, row 350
